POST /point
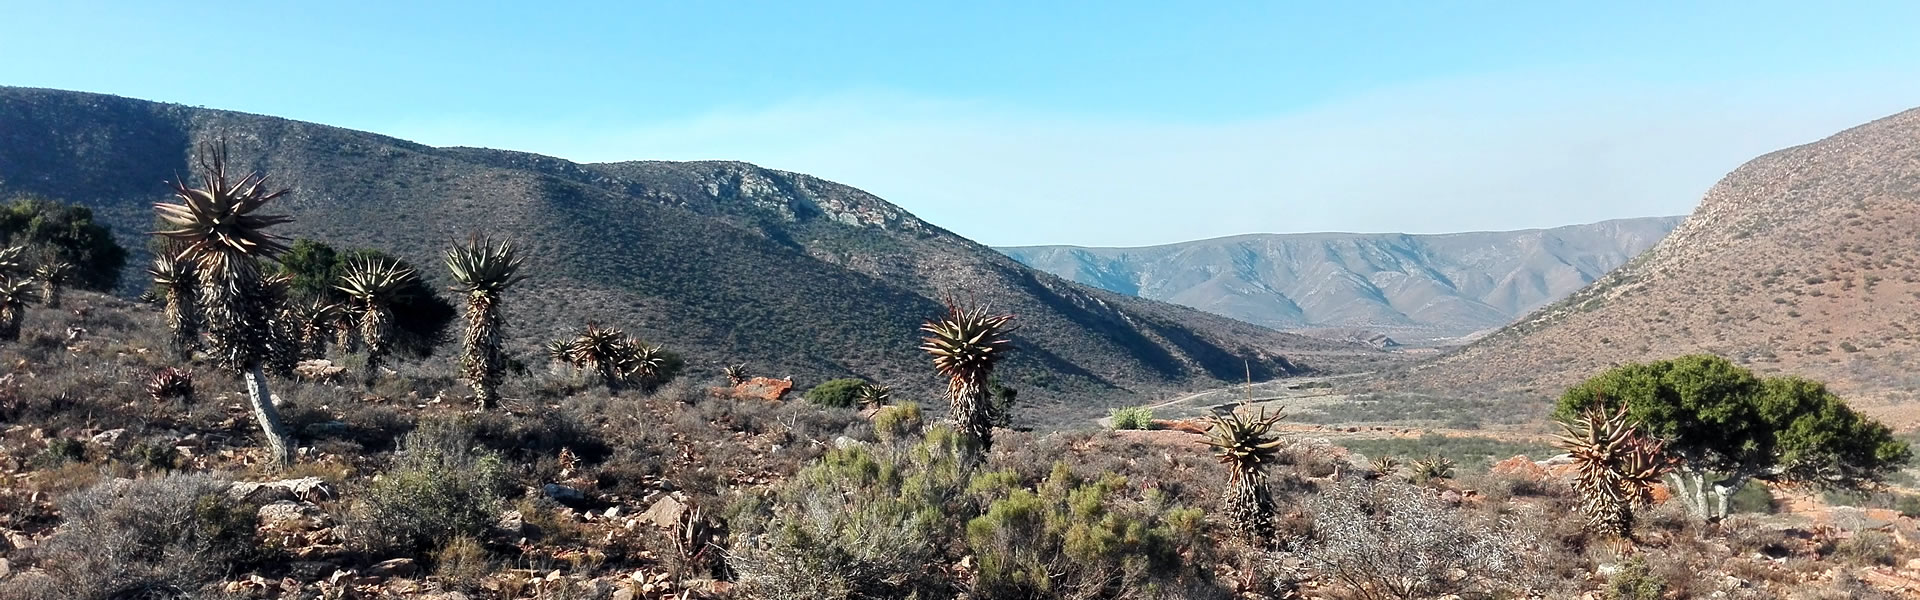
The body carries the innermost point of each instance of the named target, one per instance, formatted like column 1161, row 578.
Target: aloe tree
column 966, row 344
column 313, row 322
column 15, row 294
column 226, row 237
column 1247, row 445
column 175, row 276
column 737, row 374
column 874, row 395
column 13, row 261
column 53, row 273
column 374, row 286
column 484, row 269
column 1617, row 467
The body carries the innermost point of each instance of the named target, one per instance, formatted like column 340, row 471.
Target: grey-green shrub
column 442, row 486
column 125, row 537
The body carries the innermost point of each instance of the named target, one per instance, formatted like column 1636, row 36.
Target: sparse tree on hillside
column 966, row 344
column 484, row 269
column 15, row 294
column 226, row 237
column 175, row 276
column 373, row 285
column 1247, row 445
column 1725, row 427
column 53, row 273
column 1618, row 468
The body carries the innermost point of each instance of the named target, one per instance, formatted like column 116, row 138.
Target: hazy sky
column 1092, row 123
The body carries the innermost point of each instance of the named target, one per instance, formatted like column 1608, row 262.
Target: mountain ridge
column 724, row 261
column 1414, row 285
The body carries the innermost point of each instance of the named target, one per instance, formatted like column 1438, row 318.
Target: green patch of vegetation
column 1131, row 417
column 837, row 393
column 1470, row 453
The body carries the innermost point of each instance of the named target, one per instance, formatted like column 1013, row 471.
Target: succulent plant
column 966, row 344
column 53, row 273
column 1385, row 466
column 874, row 395
column 484, row 269
column 16, row 293
column 219, row 227
column 374, row 286
column 169, row 383
column 737, row 374
column 175, row 276
column 1617, row 467
column 1432, row 467
column 1246, row 444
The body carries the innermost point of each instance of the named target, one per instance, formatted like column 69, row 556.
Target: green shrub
column 1634, row 581
column 898, row 422
column 838, row 393
column 442, row 486
column 126, row 537
column 1077, row 539
column 1868, row 548
column 1132, row 417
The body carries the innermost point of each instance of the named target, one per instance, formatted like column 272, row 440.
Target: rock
column 20, row 541
column 1452, row 498
column 512, row 523
column 310, row 489
column 109, row 438
column 665, row 513
column 763, row 388
column 291, row 514
column 563, row 494
column 6, row 568
column 1520, row 467
column 318, row 370
column 624, row 593
column 844, row 442
column 393, row 567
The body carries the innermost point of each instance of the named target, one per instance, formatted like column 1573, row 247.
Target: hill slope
column 1801, row 261
column 721, row 261
column 1409, row 286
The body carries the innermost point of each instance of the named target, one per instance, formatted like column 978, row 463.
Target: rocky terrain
column 1415, row 288
column 1800, row 262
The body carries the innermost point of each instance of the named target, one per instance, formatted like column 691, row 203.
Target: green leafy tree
column 1725, row 427
column 69, row 232
column 837, row 393
column 220, row 226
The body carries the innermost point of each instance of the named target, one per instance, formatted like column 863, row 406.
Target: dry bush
column 1388, row 540
column 160, row 536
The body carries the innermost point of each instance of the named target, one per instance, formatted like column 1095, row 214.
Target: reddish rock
column 1519, row 466
column 1188, row 426
column 763, row 388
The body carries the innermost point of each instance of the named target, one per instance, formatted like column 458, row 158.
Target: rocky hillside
column 1801, row 261
column 721, row 261
column 1410, row 287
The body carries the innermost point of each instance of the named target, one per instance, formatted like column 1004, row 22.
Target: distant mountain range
column 1411, row 287
column 1803, row 261
column 721, row 261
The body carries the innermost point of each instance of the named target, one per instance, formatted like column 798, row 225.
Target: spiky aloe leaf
column 736, row 374
column 221, row 219
column 12, row 260
column 169, row 383
column 484, row 266
column 1616, row 466
column 874, row 395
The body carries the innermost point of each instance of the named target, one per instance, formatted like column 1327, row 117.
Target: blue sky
column 1093, row 123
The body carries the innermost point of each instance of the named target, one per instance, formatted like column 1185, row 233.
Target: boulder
column 394, row 567
column 309, row 489
column 763, row 388
column 563, row 494
column 292, row 514
column 318, row 370
column 665, row 513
